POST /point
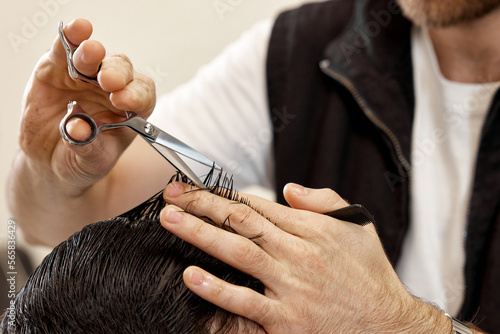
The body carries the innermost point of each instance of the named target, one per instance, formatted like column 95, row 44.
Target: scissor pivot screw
column 149, row 129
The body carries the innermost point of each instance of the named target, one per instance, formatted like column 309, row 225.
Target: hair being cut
column 124, row 275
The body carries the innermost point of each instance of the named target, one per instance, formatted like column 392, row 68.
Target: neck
column 470, row 51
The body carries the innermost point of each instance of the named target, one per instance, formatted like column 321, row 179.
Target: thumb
column 91, row 161
column 98, row 150
column 315, row 200
column 78, row 129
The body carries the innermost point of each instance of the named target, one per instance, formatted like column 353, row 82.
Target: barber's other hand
column 51, row 88
column 321, row 275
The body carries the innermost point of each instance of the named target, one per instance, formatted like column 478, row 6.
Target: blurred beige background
column 168, row 40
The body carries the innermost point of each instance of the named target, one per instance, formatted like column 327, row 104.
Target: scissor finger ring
column 75, row 111
column 70, row 50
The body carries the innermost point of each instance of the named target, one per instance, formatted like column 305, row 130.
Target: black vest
column 340, row 88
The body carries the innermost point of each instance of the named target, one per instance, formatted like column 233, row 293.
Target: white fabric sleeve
column 223, row 111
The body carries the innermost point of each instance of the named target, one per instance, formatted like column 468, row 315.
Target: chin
column 445, row 13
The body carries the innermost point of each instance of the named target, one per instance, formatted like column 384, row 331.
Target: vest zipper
column 324, row 65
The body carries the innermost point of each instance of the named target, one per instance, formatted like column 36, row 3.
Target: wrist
column 436, row 321
column 419, row 317
column 425, row 318
column 458, row 326
column 42, row 205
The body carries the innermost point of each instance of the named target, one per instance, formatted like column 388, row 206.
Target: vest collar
column 372, row 59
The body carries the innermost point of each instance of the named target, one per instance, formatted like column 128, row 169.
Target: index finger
column 204, row 203
column 231, row 248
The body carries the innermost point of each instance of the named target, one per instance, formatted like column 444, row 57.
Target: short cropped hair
column 124, row 275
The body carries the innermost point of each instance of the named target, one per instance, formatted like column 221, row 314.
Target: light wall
column 166, row 39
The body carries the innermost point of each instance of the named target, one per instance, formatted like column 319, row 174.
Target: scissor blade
column 178, row 146
column 176, row 161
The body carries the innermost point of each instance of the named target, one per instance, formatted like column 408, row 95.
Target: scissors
column 162, row 142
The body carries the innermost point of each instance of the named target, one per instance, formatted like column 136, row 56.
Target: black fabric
column 328, row 141
column 340, row 89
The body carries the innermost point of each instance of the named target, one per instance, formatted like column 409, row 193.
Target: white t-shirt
column 446, row 131
column 223, row 112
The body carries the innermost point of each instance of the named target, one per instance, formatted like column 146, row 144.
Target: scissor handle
column 72, row 114
column 146, row 130
column 70, row 50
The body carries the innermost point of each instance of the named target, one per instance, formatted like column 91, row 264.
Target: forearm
column 46, row 209
column 49, row 209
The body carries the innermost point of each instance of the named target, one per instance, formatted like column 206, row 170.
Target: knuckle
column 329, row 232
column 136, row 96
column 257, row 310
column 317, row 258
column 333, row 200
column 198, row 231
column 243, row 214
column 44, row 70
column 122, row 59
column 147, row 91
column 146, row 81
column 118, row 64
column 217, row 291
column 194, row 200
column 134, row 100
column 250, row 255
column 310, row 254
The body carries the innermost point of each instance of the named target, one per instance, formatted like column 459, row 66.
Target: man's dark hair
column 124, row 275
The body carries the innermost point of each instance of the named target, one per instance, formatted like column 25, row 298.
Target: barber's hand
column 51, row 88
column 321, row 275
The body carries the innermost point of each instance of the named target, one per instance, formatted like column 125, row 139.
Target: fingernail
column 173, row 216
column 297, row 189
column 174, row 189
column 195, row 277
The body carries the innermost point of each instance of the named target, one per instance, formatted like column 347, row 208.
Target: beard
column 444, row 13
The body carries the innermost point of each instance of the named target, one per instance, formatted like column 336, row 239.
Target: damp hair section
column 124, row 275
column 216, row 182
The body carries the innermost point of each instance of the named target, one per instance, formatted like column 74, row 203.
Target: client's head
column 124, row 275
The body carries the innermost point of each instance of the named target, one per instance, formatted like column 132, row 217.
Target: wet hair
column 124, row 275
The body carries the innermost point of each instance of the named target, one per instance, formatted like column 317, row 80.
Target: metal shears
column 165, row 144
